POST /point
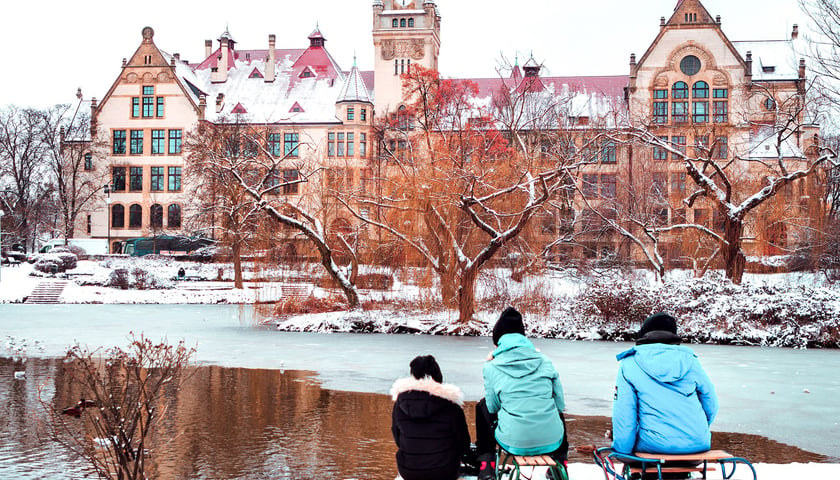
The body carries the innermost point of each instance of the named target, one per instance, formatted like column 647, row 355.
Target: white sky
column 81, row 43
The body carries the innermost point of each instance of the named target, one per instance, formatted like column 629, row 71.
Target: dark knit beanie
column 510, row 321
column 426, row 366
column 658, row 322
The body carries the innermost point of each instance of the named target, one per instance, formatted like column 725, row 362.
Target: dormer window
column 690, row 18
column 768, row 69
column 255, row 74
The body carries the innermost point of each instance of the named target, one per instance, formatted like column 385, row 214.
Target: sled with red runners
column 510, row 467
column 620, row 466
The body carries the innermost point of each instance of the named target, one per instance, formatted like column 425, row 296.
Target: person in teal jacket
column 664, row 401
column 523, row 399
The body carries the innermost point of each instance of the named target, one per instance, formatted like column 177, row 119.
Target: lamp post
column 107, row 189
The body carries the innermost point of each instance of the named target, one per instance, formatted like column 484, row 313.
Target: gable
column 690, row 12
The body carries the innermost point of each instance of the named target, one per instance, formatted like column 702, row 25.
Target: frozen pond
column 784, row 395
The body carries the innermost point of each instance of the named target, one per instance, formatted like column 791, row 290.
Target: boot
column 487, row 466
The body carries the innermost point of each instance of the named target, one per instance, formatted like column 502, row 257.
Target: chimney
column 61, row 134
column 748, row 73
column 272, row 59
column 220, row 102
column 661, row 21
column 717, row 19
column 208, row 48
column 202, row 106
column 632, row 72
column 178, row 57
column 221, row 73
column 93, row 117
column 802, row 68
column 79, row 93
column 125, row 62
column 172, row 60
column 795, row 33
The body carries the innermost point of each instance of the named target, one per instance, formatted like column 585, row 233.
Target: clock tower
column 406, row 33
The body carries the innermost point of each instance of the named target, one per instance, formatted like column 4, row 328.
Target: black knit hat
column 510, row 321
column 426, row 366
column 658, row 322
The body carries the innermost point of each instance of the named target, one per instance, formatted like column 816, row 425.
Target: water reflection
column 234, row 423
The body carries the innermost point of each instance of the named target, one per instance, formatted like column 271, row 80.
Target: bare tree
column 736, row 184
column 24, row 193
column 69, row 153
column 261, row 179
column 122, row 400
column 453, row 191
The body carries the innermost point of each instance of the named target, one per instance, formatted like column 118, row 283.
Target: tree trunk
column 733, row 257
column 237, row 264
column 466, row 296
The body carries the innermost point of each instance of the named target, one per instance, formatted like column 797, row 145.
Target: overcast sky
column 52, row 47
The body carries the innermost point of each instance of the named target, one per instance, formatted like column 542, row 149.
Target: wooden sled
column 620, row 466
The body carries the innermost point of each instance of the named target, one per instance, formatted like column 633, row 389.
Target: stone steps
column 47, row 292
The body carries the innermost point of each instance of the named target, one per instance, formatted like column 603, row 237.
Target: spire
column 316, row 38
column 354, row 88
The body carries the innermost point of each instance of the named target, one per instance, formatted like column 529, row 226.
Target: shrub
column 60, row 257
column 311, row 304
column 375, row 281
column 119, row 279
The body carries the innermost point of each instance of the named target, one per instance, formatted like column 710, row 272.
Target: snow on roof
column 764, row 145
column 354, row 89
column 773, row 60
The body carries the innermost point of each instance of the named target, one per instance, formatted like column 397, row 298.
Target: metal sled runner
column 660, row 466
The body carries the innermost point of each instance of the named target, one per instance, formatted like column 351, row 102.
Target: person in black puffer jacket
column 428, row 423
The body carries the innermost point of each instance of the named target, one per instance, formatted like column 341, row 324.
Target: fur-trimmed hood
column 446, row 391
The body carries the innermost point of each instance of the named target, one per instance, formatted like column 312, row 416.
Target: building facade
column 693, row 90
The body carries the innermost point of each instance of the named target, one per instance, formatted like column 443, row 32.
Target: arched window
column 410, row 23
column 402, row 22
column 156, row 216
column 680, row 90
column 135, row 216
column 117, row 216
column 394, row 23
column 173, row 217
column 700, row 90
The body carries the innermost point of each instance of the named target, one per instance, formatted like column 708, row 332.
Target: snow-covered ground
column 213, row 285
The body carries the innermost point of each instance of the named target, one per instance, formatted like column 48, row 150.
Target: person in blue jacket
column 523, row 399
column 664, row 401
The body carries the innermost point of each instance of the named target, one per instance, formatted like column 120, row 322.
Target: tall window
column 158, row 142
column 159, row 110
column 173, row 216
column 608, row 185
column 156, row 216
column 351, row 113
column 275, row 144
column 135, row 216
column 117, row 216
column 410, row 23
column 395, row 23
column 659, row 186
column 118, row 179
column 157, row 179
column 660, row 153
column 136, row 142
column 402, row 22
column 721, row 105
column 660, row 112
column 678, row 143
column 351, row 144
column 701, row 112
column 363, row 145
column 590, row 185
column 175, row 139
column 174, row 179
column 700, row 90
column 721, row 148
column 148, row 106
column 679, row 112
column 88, row 161
column 679, row 90
column 608, row 152
column 290, row 176
column 291, row 144
column 678, row 183
column 363, row 115
column 331, row 144
column 135, row 107
column 119, row 142
column 340, row 144
column 135, row 179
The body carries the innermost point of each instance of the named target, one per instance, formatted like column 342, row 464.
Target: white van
column 91, row 246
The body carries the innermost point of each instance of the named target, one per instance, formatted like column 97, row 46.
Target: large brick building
column 693, row 88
